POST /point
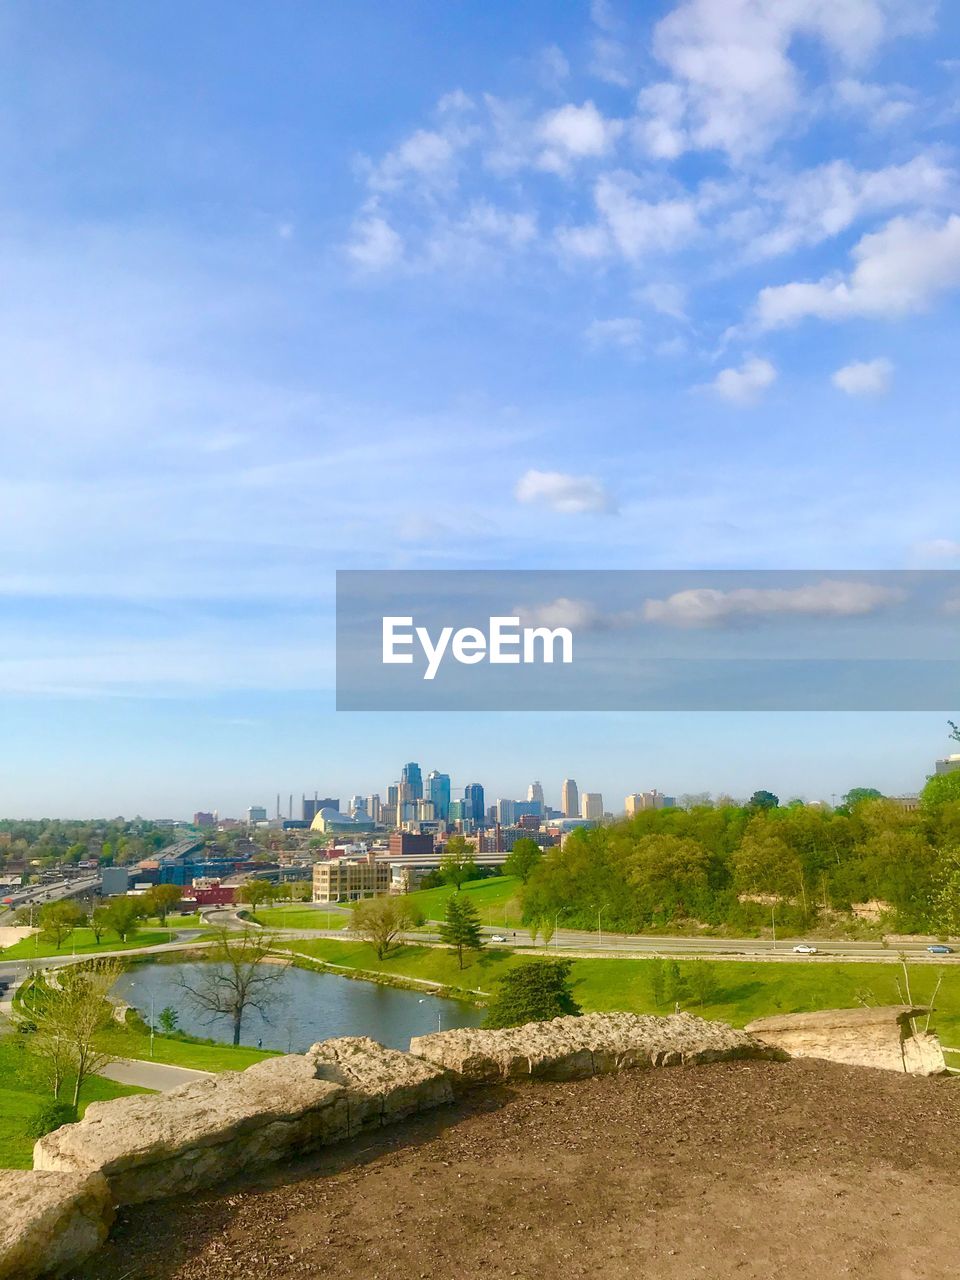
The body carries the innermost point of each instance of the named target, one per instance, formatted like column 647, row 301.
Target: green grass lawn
column 433, row 964
column 744, row 990
column 133, row 1041
column 301, row 917
column 22, row 1093
column 84, row 943
column 497, row 900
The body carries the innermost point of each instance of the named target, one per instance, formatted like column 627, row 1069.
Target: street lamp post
column 555, row 919
column 773, row 921
column 599, row 933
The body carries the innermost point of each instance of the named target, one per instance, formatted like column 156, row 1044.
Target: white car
column 497, row 937
column 804, row 949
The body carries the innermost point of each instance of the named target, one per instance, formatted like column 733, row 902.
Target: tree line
column 732, row 865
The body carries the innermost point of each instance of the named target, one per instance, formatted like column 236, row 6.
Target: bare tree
column 383, row 921
column 71, row 1017
column 235, row 977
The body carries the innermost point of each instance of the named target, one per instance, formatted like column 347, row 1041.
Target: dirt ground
column 754, row 1169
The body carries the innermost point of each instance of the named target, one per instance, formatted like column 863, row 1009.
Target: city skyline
column 565, row 287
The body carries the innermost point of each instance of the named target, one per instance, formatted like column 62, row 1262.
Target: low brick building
column 346, row 879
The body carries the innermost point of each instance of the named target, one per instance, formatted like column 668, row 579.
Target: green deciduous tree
column 460, row 929
column 161, row 900
column 532, row 992
column 57, row 920
column 71, row 1017
column 457, row 862
column 702, row 979
column 122, row 915
column 168, row 1020
column 523, row 858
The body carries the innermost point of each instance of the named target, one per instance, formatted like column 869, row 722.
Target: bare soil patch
column 742, row 1169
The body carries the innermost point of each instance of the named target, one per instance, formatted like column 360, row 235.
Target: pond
column 304, row 1007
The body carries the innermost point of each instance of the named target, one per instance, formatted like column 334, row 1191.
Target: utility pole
column 773, row 921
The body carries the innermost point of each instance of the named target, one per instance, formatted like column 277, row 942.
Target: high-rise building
column 473, row 795
column 373, row 808
column 506, row 812
column 393, row 793
column 203, row 819
column 438, row 790
column 570, row 799
column 426, row 810
column 591, row 806
column 358, row 807
column 641, row 801
column 411, row 775
column 256, row 813
column 535, row 796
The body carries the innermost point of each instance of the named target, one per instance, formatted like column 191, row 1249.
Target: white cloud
column 819, row 203
column 864, row 377
column 425, row 156
column 625, row 332
column 707, row 606
column 880, row 105
column 575, row 133
column 561, row 612
column 733, row 85
column 553, row 67
column 375, row 244
column 899, row 270
column 569, row 494
column 746, row 384
column 667, row 298
column 609, row 60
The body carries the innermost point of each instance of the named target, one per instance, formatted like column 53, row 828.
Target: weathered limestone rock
column 156, row 1145
column 382, row 1085
column 50, row 1222
column 878, row 1037
column 571, row 1048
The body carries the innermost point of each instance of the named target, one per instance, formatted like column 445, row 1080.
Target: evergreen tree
column 533, row 992
column 460, row 929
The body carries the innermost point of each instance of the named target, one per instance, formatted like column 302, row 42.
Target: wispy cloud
column 745, row 386
column 708, row 606
column 567, row 494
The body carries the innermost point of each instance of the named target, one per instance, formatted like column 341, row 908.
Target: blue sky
column 289, row 289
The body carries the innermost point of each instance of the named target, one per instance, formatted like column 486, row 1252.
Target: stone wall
column 50, row 1221
column 881, row 1037
column 149, row 1146
column 570, row 1048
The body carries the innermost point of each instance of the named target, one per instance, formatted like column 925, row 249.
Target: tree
column 161, row 899
column 256, row 891
column 460, row 929
column 954, row 731
column 381, row 921
column 658, row 979
column 547, row 929
column 856, row 794
column 763, row 800
column 533, row 992
column 673, row 984
column 940, row 790
column 235, row 978
column 100, row 921
column 457, row 863
column 58, row 920
column 169, row 1020
column 522, row 858
column 70, row 1018
column 123, row 917
column 703, row 981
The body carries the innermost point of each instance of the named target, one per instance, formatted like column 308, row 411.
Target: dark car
column 938, row 949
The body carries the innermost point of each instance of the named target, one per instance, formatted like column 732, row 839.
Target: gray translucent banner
column 639, row 640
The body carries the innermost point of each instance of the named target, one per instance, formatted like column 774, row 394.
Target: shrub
column 50, row 1116
column 534, row 992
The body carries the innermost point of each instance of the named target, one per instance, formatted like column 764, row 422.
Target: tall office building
column 373, row 807
column 506, row 812
column 411, row 775
column 310, row 808
column 473, row 795
column 256, row 813
column 358, row 807
column 438, row 790
column 535, row 796
column 591, row 806
column 641, row 801
column 393, row 793
column 570, row 799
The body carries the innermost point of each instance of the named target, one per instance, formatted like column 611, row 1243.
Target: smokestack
column 278, row 804
column 291, row 806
